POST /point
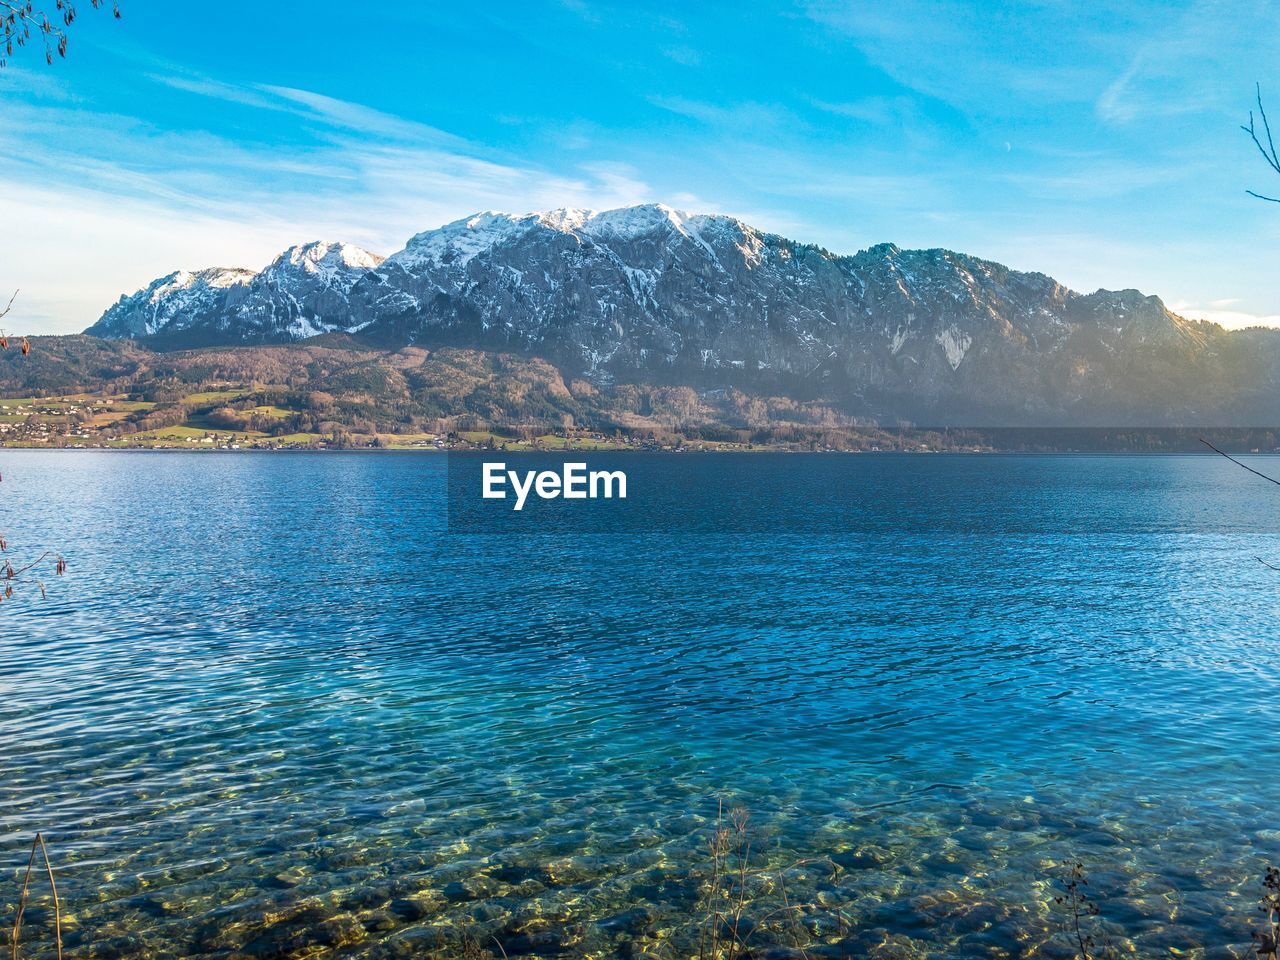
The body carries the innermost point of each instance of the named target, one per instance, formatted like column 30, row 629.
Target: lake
column 277, row 709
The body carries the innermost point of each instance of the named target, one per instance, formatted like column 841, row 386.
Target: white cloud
column 106, row 246
column 1231, row 319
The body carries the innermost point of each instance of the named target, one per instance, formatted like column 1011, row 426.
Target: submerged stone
column 862, row 858
column 634, row 921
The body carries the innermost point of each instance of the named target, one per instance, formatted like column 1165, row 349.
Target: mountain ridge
column 652, row 294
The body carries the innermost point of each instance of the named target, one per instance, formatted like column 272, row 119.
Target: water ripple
column 275, row 702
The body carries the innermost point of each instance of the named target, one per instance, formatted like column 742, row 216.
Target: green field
column 215, row 396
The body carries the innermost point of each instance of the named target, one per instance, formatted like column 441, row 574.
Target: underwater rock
column 491, row 911
column 363, row 898
column 544, row 942
column 862, row 858
column 412, row 908
column 931, row 909
column 287, row 879
column 955, row 861
column 1097, row 838
column 412, row 943
column 538, row 935
column 289, row 941
column 1166, row 940
column 570, row 870
column 1006, row 930
column 380, row 921
column 634, row 921
column 473, row 888
column 515, row 873
column 1057, row 948
column 979, row 917
column 117, row 948
column 152, row 904
column 880, row 944
column 680, row 892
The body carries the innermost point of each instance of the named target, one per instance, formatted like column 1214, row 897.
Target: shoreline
column 627, row 451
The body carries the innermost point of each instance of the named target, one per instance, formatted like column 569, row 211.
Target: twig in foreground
column 38, row 844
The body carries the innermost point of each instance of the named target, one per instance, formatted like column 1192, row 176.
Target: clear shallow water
column 277, row 710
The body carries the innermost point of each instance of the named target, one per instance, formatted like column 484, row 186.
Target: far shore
column 684, row 450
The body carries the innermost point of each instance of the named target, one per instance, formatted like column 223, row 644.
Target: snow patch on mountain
column 898, row 338
column 956, row 343
column 565, row 219
column 461, row 241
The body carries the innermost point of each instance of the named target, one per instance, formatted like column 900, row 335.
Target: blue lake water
column 276, row 709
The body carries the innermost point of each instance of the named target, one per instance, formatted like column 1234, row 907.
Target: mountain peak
column 461, row 241
column 330, row 263
column 565, row 219
column 330, row 254
column 634, row 221
column 883, row 251
column 184, row 282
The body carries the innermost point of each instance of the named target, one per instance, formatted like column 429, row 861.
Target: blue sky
column 1097, row 142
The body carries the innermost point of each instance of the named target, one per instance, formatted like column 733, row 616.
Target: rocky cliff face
column 651, row 294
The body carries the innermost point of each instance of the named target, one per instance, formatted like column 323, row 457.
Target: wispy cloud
column 968, row 54
column 583, row 9
column 683, row 54
column 203, row 86
column 359, row 118
column 129, row 202
column 877, row 110
column 1155, row 82
column 741, row 117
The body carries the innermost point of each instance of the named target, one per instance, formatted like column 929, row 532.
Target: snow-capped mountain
column 174, row 303
column 300, row 294
column 649, row 293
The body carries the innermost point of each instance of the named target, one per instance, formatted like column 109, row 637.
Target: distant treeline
column 334, row 386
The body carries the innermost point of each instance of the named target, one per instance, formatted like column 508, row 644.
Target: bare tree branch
column 1238, row 462
column 20, row 21
column 1256, row 473
column 1267, row 149
column 4, row 340
column 18, row 576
